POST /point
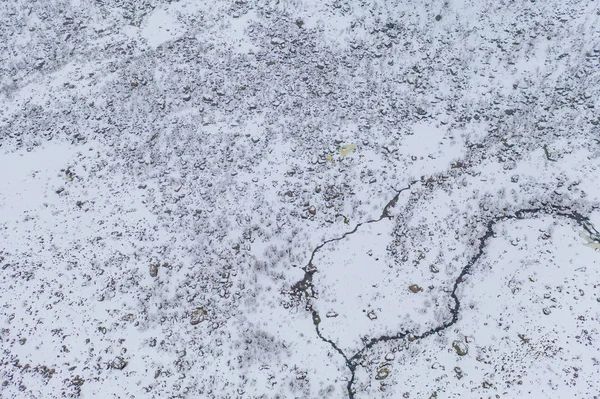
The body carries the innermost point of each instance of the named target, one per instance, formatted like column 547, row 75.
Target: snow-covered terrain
column 299, row 199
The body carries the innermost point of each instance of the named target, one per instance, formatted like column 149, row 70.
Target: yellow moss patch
column 347, row 149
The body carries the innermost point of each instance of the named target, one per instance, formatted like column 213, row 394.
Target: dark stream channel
column 304, row 288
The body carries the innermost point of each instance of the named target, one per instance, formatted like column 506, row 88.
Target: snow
column 29, row 178
column 299, row 199
column 160, row 27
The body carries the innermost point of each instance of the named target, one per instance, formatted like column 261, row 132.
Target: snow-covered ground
column 299, row 199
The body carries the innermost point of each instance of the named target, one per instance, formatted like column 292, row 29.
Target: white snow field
column 299, row 199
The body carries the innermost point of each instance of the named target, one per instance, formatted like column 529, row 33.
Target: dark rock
column 415, row 288
column 119, row 363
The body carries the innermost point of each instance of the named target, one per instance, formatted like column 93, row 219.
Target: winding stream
column 304, row 288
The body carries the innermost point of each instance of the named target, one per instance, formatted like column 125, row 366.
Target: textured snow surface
column 299, row 199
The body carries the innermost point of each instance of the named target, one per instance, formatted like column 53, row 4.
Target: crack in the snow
column 305, row 286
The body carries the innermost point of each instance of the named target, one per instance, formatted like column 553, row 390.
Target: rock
column 382, row 373
column 316, row 318
column 459, row 372
column 77, row 381
column 154, row 270
column 437, row 365
column 547, row 311
column 460, row 347
column 415, row 288
column 198, row 316
column 119, row 363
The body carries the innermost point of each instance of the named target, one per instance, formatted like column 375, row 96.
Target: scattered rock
column 460, row 347
column 119, row 363
column 415, row 288
column 78, row 381
column 459, row 372
column 198, row 316
column 437, row 365
column 382, row 373
column 316, row 318
column 547, row 311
